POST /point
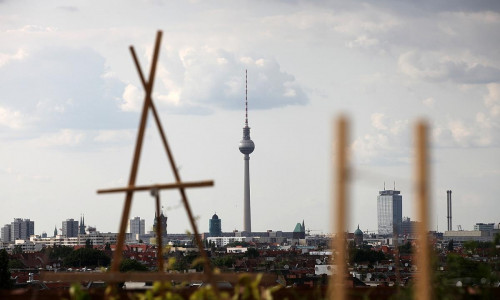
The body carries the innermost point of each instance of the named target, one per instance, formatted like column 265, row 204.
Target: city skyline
column 70, row 100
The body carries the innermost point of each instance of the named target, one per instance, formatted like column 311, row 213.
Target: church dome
column 358, row 232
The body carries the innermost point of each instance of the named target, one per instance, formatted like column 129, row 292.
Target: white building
column 96, row 238
column 221, row 241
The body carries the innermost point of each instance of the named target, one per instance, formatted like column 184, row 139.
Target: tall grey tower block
column 389, row 212
column 246, row 147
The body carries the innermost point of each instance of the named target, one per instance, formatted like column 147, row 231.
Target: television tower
column 246, row 147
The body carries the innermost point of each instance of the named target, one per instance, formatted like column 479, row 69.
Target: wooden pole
column 166, row 186
column 117, row 257
column 337, row 288
column 423, row 275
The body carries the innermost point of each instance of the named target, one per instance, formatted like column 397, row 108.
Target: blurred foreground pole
column 423, row 275
column 337, row 288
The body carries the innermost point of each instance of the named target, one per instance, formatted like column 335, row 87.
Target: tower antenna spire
column 246, row 98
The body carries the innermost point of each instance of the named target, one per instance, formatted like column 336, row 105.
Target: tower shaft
column 246, row 198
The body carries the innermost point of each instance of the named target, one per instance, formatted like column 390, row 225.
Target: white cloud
column 388, row 143
column 195, row 78
column 429, row 102
column 492, row 99
column 64, row 137
column 132, row 100
column 459, row 131
column 6, row 58
column 10, row 118
column 113, row 136
column 363, row 42
column 378, row 121
column 436, row 66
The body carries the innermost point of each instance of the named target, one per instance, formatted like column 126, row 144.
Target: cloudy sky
column 70, row 98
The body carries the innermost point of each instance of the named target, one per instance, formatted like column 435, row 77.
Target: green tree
column 496, row 240
column 89, row 244
column 405, row 249
column 4, row 270
column 252, row 253
column 225, row 261
column 58, row 252
column 18, row 249
column 107, row 247
column 16, row 264
column 87, row 257
column 461, row 267
column 128, row 265
column 362, row 255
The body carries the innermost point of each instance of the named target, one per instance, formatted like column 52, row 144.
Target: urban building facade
column 299, row 232
column 389, row 212
column 214, row 226
column 484, row 226
column 6, row 233
column 137, row 228
column 70, row 228
column 163, row 224
column 20, row 229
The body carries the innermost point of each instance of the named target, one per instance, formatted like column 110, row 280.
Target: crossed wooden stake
column 131, row 188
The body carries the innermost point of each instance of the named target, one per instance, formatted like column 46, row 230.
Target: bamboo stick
column 422, row 290
column 337, row 288
column 165, row 186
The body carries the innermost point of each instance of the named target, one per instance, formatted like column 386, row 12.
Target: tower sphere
column 246, row 146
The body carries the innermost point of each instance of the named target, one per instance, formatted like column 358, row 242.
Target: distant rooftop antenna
column 384, row 185
column 394, row 185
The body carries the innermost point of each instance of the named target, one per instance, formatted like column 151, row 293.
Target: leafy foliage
column 252, row 253
column 87, row 257
column 405, row 249
column 16, row 264
column 363, row 255
column 4, row 270
column 128, row 265
column 224, row 261
column 461, row 267
column 59, row 252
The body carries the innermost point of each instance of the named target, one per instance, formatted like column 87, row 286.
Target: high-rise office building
column 21, row 229
column 246, row 147
column 6, row 233
column 214, row 226
column 389, row 212
column 70, row 228
column 137, row 226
